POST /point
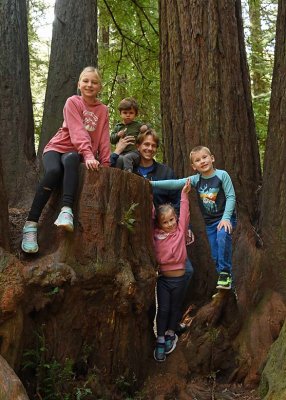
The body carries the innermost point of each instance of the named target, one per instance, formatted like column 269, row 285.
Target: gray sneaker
column 65, row 220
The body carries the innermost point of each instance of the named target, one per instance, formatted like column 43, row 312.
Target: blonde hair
column 90, row 69
column 199, row 148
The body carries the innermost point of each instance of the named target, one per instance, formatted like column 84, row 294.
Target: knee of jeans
column 71, row 159
column 163, row 311
column 222, row 234
column 52, row 176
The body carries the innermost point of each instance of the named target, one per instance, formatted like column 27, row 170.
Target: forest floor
column 165, row 381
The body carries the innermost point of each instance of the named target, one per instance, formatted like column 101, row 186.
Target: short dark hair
column 127, row 104
column 149, row 132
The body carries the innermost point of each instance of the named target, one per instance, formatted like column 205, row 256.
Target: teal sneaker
column 159, row 352
column 65, row 220
column 170, row 343
column 29, row 241
column 224, row 281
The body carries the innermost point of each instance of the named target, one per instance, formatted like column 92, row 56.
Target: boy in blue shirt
column 216, row 198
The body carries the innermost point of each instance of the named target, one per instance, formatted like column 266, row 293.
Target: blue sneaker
column 159, row 352
column 170, row 343
column 65, row 219
column 29, row 241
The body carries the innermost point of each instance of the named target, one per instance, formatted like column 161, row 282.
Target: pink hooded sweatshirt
column 85, row 129
column 170, row 248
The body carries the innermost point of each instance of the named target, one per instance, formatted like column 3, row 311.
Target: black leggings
column 170, row 292
column 58, row 167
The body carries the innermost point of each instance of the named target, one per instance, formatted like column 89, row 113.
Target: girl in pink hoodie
column 170, row 249
column 84, row 136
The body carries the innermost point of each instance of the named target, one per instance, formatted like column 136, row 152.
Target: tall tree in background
column 16, row 115
column 273, row 218
column 74, row 46
column 205, row 99
column 128, row 56
column 206, row 88
column 261, row 38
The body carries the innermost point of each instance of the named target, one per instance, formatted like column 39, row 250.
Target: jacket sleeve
column 113, row 136
column 104, row 143
column 229, row 196
column 184, row 219
column 171, row 184
column 174, row 195
column 79, row 137
column 113, row 159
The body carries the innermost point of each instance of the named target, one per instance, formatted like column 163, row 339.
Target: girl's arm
column 104, row 144
column 184, row 219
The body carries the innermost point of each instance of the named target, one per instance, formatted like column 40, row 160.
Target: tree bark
column 16, row 115
column 273, row 218
column 10, row 386
column 87, row 291
column 4, row 226
column 206, row 100
column 74, row 47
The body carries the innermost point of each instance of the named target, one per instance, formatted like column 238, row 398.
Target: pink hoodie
column 85, row 129
column 170, row 248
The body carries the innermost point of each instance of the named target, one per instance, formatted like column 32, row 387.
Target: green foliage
column 129, row 56
column 128, row 218
column 126, row 386
column 260, row 25
column 39, row 52
column 53, row 380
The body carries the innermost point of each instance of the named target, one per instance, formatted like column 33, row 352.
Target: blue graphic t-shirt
column 216, row 194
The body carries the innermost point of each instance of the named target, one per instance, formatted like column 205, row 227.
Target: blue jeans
column 221, row 246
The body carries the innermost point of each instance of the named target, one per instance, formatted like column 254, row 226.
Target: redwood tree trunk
column 16, row 115
column 74, row 47
column 4, row 227
column 205, row 95
column 86, row 294
column 273, row 217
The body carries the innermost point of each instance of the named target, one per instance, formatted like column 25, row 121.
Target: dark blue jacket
column 159, row 172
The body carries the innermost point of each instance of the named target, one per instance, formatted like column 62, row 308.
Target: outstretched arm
column 171, row 184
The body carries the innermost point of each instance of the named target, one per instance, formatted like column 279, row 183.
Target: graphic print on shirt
column 208, row 197
column 89, row 120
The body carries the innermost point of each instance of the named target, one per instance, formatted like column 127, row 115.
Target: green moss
column 4, row 261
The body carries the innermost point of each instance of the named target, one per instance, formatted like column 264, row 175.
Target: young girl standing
column 84, row 135
column 170, row 249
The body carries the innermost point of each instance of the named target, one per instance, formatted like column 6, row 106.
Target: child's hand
column 190, row 237
column 121, row 134
column 143, row 128
column 92, row 164
column 187, row 187
column 226, row 224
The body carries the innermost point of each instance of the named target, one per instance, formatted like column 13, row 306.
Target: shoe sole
column 67, row 227
column 223, row 287
column 156, row 359
column 174, row 345
column 30, row 250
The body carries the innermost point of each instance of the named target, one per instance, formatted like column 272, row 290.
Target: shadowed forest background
column 75, row 318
